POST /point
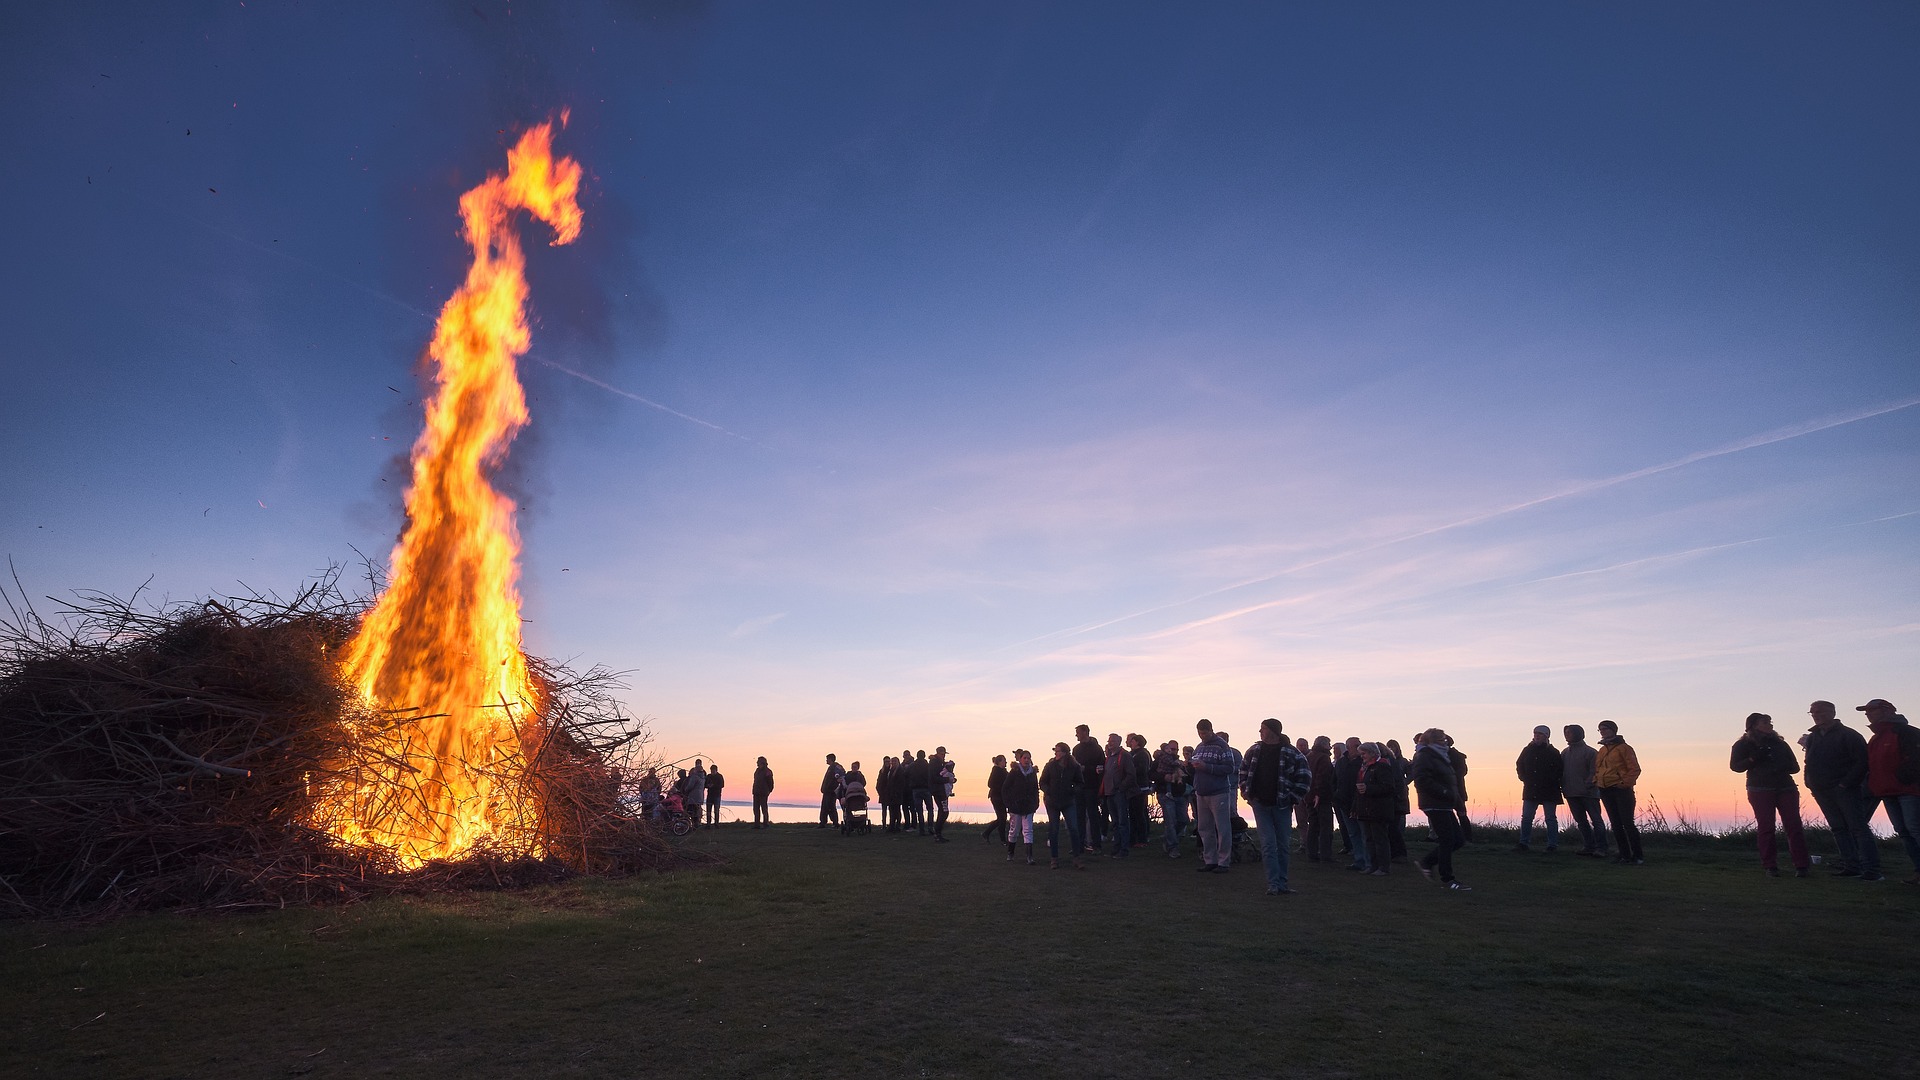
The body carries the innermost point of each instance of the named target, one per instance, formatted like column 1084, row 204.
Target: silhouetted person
column 1616, row 769
column 1836, row 776
column 830, row 794
column 1770, row 766
column 715, row 782
column 1582, row 794
column 1437, row 788
column 996, row 785
column 762, row 789
column 1538, row 768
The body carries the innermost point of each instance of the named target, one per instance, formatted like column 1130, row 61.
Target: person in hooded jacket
column 1770, row 765
column 1582, row 794
column 1539, row 770
column 1022, row 793
column 762, row 790
column 1836, row 777
column 1437, row 788
column 996, row 796
column 1060, row 783
column 1893, row 774
column 1616, row 769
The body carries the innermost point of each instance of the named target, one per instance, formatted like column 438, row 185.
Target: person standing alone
column 762, row 789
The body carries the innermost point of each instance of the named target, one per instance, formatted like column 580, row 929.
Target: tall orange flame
column 443, row 642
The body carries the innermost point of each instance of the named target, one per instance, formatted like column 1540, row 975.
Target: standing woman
column 1438, row 790
column 1376, row 799
column 1021, row 790
column 1769, row 764
column 762, row 787
column 996, row 794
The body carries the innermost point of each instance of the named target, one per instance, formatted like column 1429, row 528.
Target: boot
column 1030, row 858
column 1009, row 851
column 1053, row 863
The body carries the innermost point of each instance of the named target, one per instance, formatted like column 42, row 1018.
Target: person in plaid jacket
column 1274, row 776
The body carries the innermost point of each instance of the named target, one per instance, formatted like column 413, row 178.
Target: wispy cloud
column 755, row 625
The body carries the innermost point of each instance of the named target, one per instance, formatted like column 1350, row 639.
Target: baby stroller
column 1245, row 849
column 853, row 812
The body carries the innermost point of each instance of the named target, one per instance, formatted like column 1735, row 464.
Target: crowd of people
column 1097, row 796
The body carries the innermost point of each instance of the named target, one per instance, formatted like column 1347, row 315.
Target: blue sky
column 958, row 373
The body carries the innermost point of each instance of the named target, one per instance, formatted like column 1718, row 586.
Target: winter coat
column 1118, row 780
column 1092, row 761
column 1321, row 764
column 1459, row 772
column 1434, row 781
column 830, row 783
column 1615, row 765
column 1381, row 800
column 919, row 774
column 1022, row 790
column 1893, row 759
column 1767, row 760
column 1214, row 771
column 1539, row 769
column 714, row 783
column 996, row 789
column 1060, row 782
column 1346, row 773
column 1169, row 777
column 1576, row 771
column 1836, row 758
column 762, row 781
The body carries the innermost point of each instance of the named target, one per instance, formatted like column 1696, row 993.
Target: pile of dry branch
column 171, row 758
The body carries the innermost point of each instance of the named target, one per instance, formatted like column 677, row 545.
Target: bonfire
column 256, row 750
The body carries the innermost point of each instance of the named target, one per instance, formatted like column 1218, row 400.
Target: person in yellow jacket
column 1616, row 768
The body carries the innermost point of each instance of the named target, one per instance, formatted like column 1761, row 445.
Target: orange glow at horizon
column 442, row 645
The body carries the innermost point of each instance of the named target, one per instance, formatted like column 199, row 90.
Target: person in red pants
column 1769, row 764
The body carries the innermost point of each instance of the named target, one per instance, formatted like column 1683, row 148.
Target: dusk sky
column 956, row 373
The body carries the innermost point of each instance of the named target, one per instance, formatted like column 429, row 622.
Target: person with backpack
column 996, row 797
column 1538, row 768
column 1273, row 776
column 830, row 794
column 1770, row 766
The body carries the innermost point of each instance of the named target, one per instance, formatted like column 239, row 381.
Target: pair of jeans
column 829, row 810
column 1585, row 812
column 713, row 809
column 1396, row 837
column 1527, row 807
column 921, row 803
column 939, row 812
column 1619, row 802
column 1379, row 844
column 1445, row 825
column 1320, row 832
column 1121, row 827
column 1065, row 817
column 1089, row 814
column 1848, row 816
column 1215, row 821
column 1137, row 816
column 760, row 814
column 1351, row 839
column 1903, row 812
column 1173, row 811
column 1786, row 803
column 1274, row 824
column 999, row 821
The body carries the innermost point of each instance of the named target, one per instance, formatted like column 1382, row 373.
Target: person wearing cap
column 1539, row 769
column 1616, row 769
column 1769, row 764
column 1893, row 773
column 1582, row 794
column 1022, row 792
column 1836, row 777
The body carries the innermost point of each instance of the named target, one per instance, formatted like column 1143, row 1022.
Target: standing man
column 1616, row 768
column 920, row 790
column 1836, row 775
column 693, row 790
column 830, row 794
column 1060, row 786
column 996, row 788
column 762, row 788
column 1142, row 788
column 1170, row 786
column 714, row 783
column 1540, row 769
column 1092, row 762
column 1273, row 776
column 940, row 771
column 1346, row 773
column 1116, row 790
column 1213, row 777
column 1583, row 795
column 1320, row 801
column 1893, row 774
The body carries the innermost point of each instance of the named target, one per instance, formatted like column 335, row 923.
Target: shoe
column 1914, row 880
column 1550, row 851
column 1425, row 871
column 1271, row 891
column 1173, row 854
column 1376, row 873
column 1799, row 871
column 1454, row 886
column 1639, row 862
column 1773, row 871
column 1843, row 871
column 1872, row 875
column 1220, row 870
column 1053, row 864
column 1030, row 861
column 1356, row 866
column 1077, row 864
column 1204, row 868
column 1522, row 848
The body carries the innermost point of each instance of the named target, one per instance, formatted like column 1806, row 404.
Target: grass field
column 806, row 954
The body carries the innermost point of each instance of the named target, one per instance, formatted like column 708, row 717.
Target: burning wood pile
column 265, row 752
column 199, row 757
